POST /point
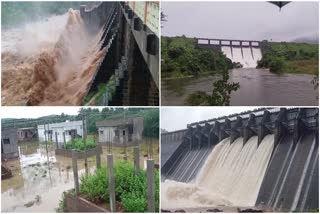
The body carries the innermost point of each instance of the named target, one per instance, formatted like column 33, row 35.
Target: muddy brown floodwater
column 258, row 87
column 57, row 70
column 37, row 186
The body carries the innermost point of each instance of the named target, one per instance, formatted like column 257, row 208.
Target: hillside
column 283, row 57
column 180, row 57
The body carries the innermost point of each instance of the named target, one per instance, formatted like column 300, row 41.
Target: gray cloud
column 175, row 118
column 242, row 20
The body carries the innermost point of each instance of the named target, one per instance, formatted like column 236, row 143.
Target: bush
column 277, row 65
column 78, row 144
column 129, row 189
column 133, row 203
column 95, row 187
column 181, row 57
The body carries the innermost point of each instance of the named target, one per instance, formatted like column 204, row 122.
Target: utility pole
column 125, row 136
column 84, row 137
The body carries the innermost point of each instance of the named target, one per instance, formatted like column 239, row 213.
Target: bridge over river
column 132, row 61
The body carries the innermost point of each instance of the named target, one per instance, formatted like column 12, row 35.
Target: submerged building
column 26, row 134
column 9, row 143
column 120, row 131
column 60, row 132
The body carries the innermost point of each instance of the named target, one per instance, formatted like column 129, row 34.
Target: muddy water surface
column 258, row 87
column 38, row 180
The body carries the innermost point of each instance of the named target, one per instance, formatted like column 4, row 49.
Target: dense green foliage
column 220, row 96
column 290, row 57
column 78, row 143
column 130, row 189
column 15, row 13
column 95, row 187
column 180, row 57
column 95, row 97
column 150, row 116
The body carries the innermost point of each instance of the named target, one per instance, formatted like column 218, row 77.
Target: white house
column 54, row 131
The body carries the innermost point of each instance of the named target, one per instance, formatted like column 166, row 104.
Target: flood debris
column 215, row 210
column 249, row 210
column 5, row 172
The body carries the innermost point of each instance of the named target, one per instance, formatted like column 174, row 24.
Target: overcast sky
column 242, row 20
column 175, row 118
column 35, row 112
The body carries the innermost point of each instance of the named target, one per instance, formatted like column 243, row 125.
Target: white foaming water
column 33, row 36
column 231, row 176
column 247, row 58
column 227, row 51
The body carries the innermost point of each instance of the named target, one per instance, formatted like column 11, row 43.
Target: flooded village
column 41, row 158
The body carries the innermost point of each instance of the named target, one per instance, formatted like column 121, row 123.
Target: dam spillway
column 245, row 52
column 265, row 159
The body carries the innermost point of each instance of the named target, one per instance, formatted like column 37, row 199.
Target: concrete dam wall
column 267, row 159
column 129, row 69
column 245, row 52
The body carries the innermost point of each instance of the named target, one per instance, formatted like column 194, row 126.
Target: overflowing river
column 49, row 62
column 258, row 87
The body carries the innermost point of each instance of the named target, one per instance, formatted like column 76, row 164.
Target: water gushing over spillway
column 246, row 56
column 231, row 176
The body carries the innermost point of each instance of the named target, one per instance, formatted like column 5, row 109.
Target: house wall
column 24, row 135
column 105, row 133
column 123, row 138
column 59, row 128
column 9, row 150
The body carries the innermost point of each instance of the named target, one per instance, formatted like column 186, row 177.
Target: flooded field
column 40, row 178
column 257, row 87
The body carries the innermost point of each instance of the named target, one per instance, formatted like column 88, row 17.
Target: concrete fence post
column 75, row 171
column 64, row 140
column 151, row 200
column 56, row 136
column 84, row 138
column 98, row 158
column 136, row 160
column 112, row 193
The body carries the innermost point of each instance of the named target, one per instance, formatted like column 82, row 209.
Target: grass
column 304, row 66
column 284, row 57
